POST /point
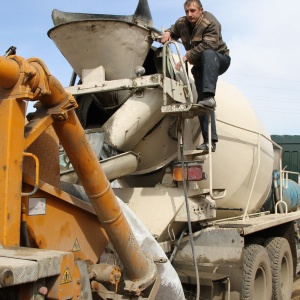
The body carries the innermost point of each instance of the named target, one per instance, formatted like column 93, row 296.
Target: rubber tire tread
column 277, row 248
column 255, row 256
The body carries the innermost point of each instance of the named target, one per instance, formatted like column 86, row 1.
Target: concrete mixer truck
column 103, row 195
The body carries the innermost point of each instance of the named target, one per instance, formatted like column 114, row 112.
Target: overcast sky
column 263, row 37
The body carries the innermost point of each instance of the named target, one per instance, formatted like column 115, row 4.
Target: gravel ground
column 296, row 289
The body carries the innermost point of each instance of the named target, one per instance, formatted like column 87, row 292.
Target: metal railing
column 166, row 48
column 286, row 173
column 260, row 135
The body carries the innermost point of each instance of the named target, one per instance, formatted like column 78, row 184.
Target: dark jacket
column 206, row 35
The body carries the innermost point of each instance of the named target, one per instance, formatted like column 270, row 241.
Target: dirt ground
column 296, row 289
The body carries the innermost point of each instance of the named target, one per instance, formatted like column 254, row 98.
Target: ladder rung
column 195, row 152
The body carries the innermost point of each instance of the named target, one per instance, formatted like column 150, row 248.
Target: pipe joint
column 105, row 273
column 40, row 84
column 137, row 286
column 17, row 84
column 60, row 113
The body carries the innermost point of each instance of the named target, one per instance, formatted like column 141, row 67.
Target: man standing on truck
column 200, row 33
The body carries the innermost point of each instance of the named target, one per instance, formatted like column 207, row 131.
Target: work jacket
column 205, row 35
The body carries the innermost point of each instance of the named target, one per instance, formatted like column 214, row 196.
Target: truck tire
column 281, row 259
column 257, row 274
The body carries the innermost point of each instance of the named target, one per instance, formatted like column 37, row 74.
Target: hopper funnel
column 119, row 43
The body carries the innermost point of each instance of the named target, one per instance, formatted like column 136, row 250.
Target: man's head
column 193, row 10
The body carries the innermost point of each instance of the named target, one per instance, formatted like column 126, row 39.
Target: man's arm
column 166, row 37
column 170, row 34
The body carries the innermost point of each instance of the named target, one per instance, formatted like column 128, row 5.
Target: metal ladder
column 178, row 101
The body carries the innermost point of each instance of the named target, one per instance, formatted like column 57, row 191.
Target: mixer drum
column 238, row 164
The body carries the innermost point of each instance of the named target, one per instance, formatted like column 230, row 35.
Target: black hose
column 25, row 235
column 189, row 218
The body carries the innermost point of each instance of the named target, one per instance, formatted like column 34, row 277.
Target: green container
column 291, row 152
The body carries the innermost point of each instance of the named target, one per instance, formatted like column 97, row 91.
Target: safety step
column 195, row 152
column 197, row 155
column 186, row 110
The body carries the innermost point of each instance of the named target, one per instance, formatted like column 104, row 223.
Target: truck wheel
column 282, row 267
column 257, row 274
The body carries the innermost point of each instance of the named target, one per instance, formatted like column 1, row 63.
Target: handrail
column 165, row 47
column 37, row 172
column 286, row 173
column 255, row 177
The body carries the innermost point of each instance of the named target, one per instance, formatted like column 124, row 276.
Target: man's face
column 193, row 12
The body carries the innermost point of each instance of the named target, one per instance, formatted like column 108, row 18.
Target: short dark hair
column 189, row 2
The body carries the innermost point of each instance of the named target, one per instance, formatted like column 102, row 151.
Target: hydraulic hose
column 189, row 218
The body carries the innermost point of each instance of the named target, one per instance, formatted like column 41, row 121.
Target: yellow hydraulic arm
column 30, row 79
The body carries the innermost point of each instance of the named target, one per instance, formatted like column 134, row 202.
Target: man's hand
column 178, row 65
column 165, row 37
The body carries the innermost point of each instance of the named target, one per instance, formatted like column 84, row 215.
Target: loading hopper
column 118, row 43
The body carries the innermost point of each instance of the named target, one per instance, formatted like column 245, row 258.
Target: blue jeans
column 212, row 64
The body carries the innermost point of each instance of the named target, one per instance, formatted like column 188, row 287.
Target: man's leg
column 204, row 127
column 205, row 82
column 198, row 79
column 203, row 119
column 210, row 69
column 213, row 65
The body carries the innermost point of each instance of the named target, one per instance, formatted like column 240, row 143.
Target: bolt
column 6, row 277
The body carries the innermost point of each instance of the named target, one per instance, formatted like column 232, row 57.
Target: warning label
column 76, row 246
column 66, row 278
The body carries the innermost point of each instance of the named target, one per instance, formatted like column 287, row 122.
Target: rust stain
column 65, row 230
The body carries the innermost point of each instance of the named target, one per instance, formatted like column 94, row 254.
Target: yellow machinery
column 69, row 226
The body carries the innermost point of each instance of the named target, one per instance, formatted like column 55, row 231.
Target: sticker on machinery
column 66, row 278
column 76, row 246
column 36, row 206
